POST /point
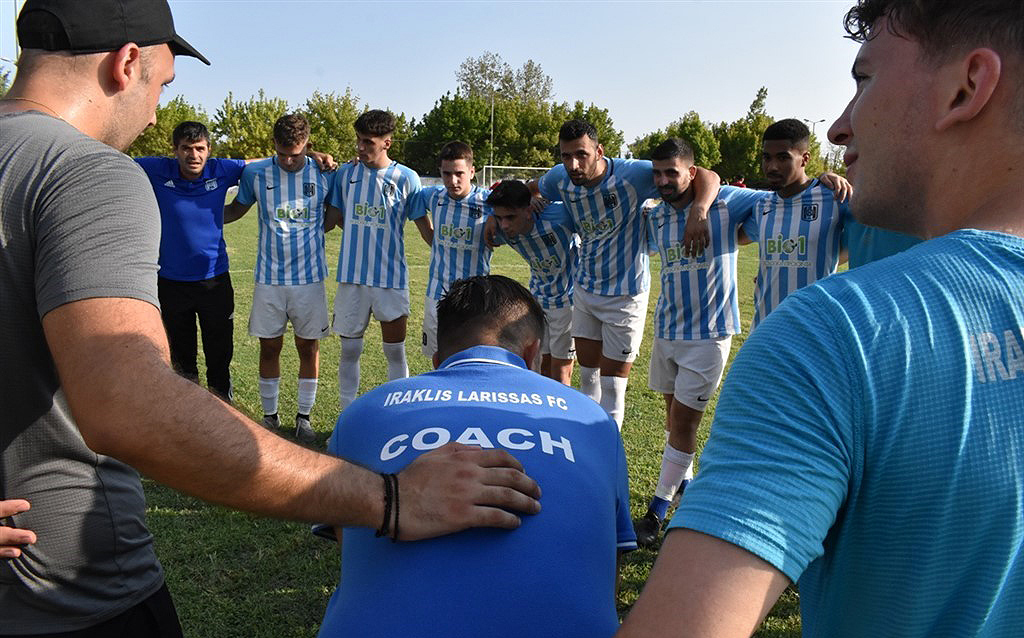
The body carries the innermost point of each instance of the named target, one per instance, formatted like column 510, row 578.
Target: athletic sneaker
column 303, row 430
column 271, row 421
column 647, row 530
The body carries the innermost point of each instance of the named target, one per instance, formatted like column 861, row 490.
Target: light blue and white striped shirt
column 459, row 250
column 698, row 296
column 551, row 250
column 375, row 204
column 291, row 221
column 610, row 222
column 799, row 239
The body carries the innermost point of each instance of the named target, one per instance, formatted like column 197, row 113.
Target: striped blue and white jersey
column 610, row 222
column 375, row 203
column 551, row 249
column 698, row 297
column 799, row 239
column 459, row 249
column 291, row 220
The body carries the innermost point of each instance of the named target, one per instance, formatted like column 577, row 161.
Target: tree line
column 493, row 101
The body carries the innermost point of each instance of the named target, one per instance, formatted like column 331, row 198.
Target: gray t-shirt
column 78, row 220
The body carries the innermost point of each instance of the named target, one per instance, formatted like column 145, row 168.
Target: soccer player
column 696, row 316
column 527, row 583
column 290, row 264
column 799, row 230
column 193, row 280
column 371, row 200
column 868, row 438
column 548, row 243
column 459, row 212
column 605, row 199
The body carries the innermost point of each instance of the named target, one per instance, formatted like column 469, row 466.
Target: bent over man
column 525, row 583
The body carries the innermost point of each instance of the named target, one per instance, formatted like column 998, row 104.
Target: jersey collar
column 484, row 354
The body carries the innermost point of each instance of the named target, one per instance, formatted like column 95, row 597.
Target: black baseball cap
column 95, row 26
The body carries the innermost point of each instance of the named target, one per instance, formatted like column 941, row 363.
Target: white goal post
column 492, row 173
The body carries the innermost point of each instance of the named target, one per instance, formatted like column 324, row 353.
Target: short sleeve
column 547, row 185
column 750, row 225
column 246, row 186
column 641, row 176
column 741, row 201
column 232, row 169
column 151, row 165
column 778, row 462
column 413, row 209
column 421, row 203
column 97, row 233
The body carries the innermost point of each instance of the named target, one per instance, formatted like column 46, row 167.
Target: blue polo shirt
column 554, row 575
column 191, row 216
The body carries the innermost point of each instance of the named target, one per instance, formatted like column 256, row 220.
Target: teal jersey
column 868, row 442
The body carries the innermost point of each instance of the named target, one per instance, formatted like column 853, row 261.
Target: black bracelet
column 394, row 530
column 388, row 499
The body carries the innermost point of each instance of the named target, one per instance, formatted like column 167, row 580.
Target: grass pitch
column 232, row 574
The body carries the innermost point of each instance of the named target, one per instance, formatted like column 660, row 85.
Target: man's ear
column 530, row 352
column 968, row 84
column 436, row 359
column 126, row 65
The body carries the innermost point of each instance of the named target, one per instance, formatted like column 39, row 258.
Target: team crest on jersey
column 611, row 200
column 475, row 213
column 809, row 212
column 211, row 184
column 549, row 239
column 308, row 189
column 388, row 189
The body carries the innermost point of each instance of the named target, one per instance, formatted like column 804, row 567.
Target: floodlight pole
column 813, row 123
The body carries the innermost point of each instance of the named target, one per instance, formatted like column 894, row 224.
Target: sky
column 647, row 62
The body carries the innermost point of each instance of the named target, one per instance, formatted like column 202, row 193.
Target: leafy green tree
column 156, row 140
column 739, row 142
column 244, row 130
column 330, row 123
column 689, row 127
column 454, row 117
column 5, row 82
column 609, row 137
column 490, row 76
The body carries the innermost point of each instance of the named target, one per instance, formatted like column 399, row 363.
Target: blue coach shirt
column 191, row 216
column 555, row 575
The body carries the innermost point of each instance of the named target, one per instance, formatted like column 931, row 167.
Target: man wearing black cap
column 88, row 394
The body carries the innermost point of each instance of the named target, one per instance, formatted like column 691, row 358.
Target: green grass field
column 232, row 574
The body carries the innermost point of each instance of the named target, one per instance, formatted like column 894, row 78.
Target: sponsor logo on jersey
column 809, row 212
column 782, row 245
column 548, row 264
column 611, row 200
column 452, row 231
column 308, row 189
column 590, row 227
column 211, row 184
column 369, row 213
column 293, row 214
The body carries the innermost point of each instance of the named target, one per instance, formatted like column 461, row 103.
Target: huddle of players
column 582, row 229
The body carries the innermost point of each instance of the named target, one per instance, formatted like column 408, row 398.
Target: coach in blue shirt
column 193, row 279
column 556, row 574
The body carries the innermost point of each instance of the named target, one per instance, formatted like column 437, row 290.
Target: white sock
column 590, row 382
column 307, row 395
column 676, row 465
column 613, row 397
column 398, row 368
column 348, row 371
column 269, row 389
